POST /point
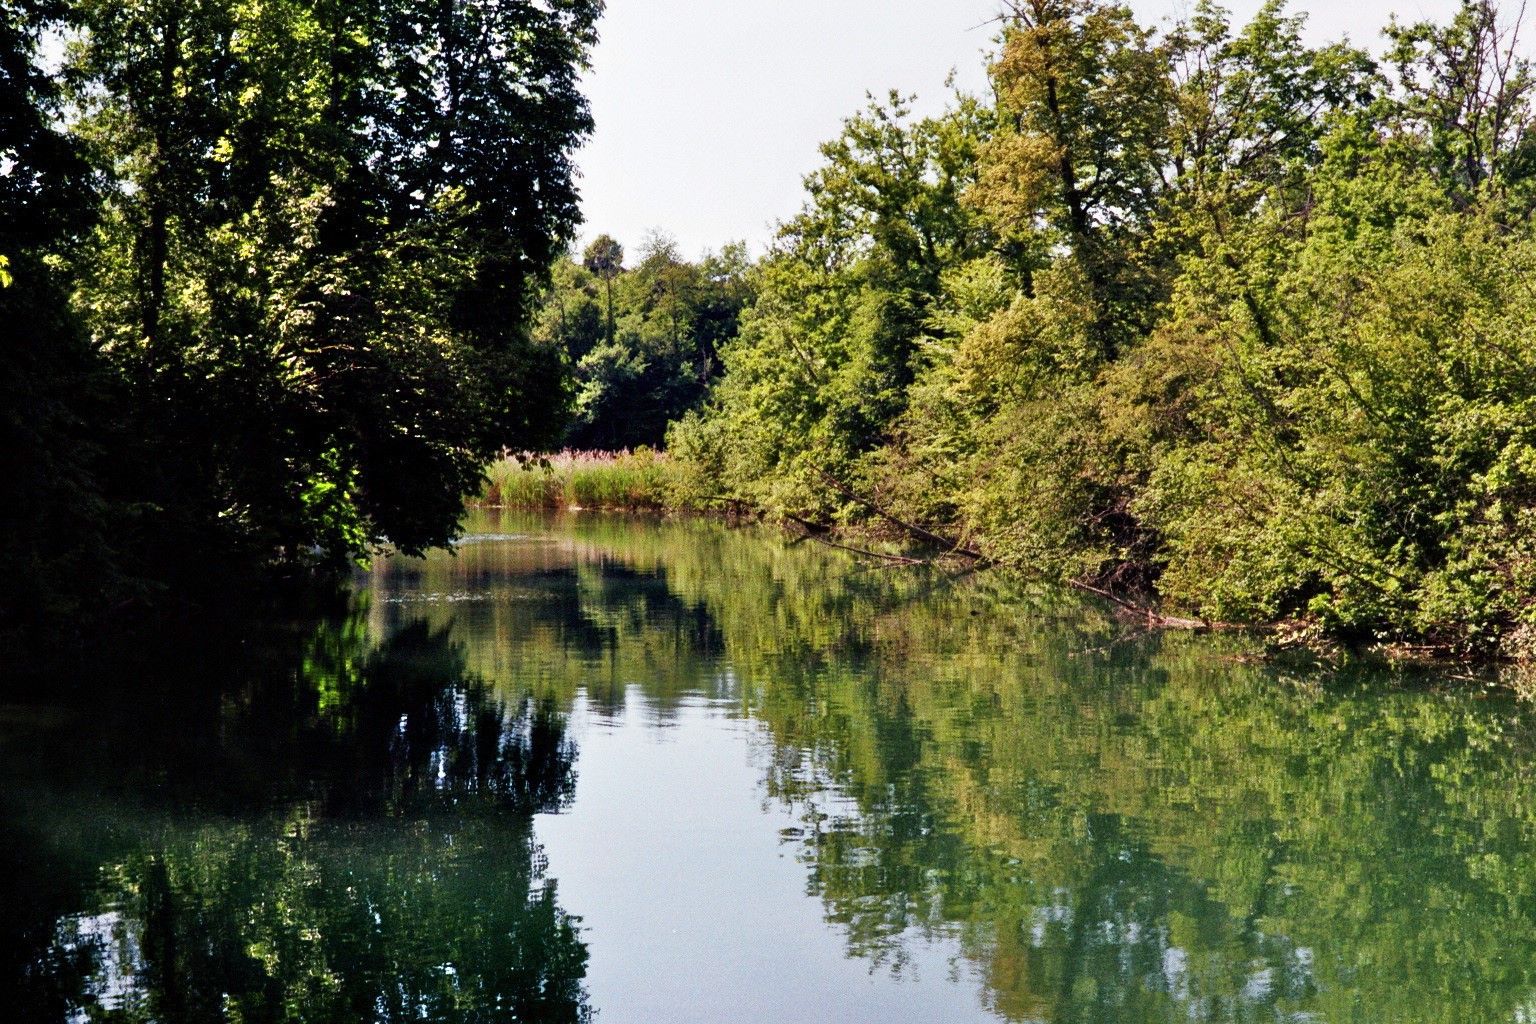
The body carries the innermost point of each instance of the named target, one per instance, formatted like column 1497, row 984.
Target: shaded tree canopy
column 296, row 246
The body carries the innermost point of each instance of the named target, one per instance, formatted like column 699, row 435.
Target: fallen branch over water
column 815, row 532
column 1153, row 617
column 952, row 546
column 893, row 559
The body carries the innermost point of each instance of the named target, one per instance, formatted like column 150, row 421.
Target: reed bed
column 639, row 480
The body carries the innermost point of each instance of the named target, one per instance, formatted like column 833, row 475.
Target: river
column 599, row 768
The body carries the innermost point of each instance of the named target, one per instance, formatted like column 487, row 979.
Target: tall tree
column 1467, row 91
column 325, row 222
column 845, row 307
column 670, row 318
column 1085, row 97
column 55, row 557
column 605, row 258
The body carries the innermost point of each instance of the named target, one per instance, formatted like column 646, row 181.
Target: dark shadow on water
column 306, row 826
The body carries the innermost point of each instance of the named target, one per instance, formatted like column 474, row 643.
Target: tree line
column 641, row 343
column 1209, row 316
column 268, row 275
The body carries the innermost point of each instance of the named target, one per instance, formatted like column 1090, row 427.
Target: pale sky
column 709, row 112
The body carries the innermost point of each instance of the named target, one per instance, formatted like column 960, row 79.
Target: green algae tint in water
column 638, row 771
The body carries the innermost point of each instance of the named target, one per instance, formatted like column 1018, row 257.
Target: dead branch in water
column 893, row 559
column 1153, row 618
column 815, row 531
column 951, row 547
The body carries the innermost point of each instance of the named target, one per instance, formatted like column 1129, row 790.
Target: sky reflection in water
column 676, row 772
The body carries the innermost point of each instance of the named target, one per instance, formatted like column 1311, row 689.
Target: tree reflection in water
column 1109, row 830
column 333, row 832
column 1113, row 828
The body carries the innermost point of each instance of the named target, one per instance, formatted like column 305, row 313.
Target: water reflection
column 1171, row 836
column 294, row 919
column 1100, row 826
column 326, row 825
column 1110, row 827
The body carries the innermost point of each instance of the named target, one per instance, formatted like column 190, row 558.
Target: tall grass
column 639, row 480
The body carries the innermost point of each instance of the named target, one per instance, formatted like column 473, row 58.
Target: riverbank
column 641, row 480
column 644, row 480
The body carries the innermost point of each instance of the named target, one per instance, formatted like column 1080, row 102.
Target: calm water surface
column 596, row 768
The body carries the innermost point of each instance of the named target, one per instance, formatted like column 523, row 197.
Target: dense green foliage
column 1211, row 315
column 292, row 319
column 54, row 555
column 641, row 343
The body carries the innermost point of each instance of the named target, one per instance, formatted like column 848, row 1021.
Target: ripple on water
column 435, row 598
